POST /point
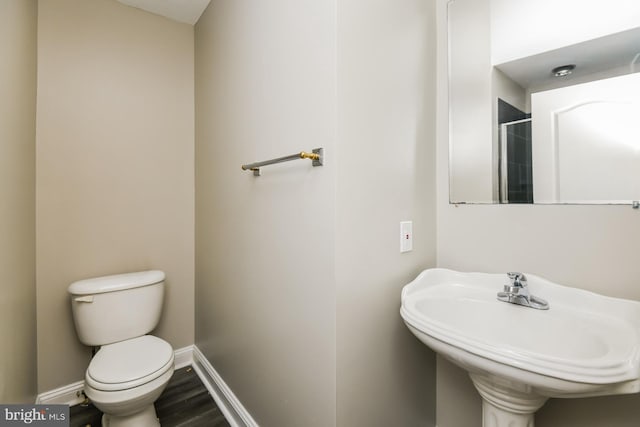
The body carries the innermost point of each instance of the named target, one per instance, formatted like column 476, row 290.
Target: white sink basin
column 585, row 345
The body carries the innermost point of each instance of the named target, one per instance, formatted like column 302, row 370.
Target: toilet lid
column 129, row 363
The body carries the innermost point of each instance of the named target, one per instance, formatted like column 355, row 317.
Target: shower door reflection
column 516, row 171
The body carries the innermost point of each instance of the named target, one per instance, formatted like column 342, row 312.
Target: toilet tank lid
column 116, row 282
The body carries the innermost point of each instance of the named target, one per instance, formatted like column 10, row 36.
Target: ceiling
column 187, row 11
column 615, row 51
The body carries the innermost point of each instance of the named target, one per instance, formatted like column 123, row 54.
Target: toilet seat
column 130, row 363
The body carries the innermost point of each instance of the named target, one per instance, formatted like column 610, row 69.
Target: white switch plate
column 406, row 236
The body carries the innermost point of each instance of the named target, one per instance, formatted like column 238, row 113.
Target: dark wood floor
column 184, row 403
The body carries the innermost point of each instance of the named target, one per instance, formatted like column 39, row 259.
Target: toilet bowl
column 131, row 369
column 124, row 379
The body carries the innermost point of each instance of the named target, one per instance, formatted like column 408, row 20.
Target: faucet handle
column 517, row 279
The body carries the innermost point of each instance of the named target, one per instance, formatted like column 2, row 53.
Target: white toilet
column 131, row 369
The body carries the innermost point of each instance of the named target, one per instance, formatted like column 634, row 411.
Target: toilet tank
column 115, row 308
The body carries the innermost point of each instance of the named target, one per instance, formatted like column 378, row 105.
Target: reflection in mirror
column 544, row 107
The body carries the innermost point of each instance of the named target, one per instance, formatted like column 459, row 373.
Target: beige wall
column 265, row 286
column 115, row 170
column 471, row 68
column 283, row 257
column 385, row 174
column 18, row 21
column 589, row 247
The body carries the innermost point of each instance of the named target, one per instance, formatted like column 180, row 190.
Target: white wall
column 589, row 247
column 114, row 175
column 18, row 24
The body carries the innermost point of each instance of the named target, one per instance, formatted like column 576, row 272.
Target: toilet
column 131, row 369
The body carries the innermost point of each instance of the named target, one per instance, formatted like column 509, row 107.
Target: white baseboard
column 71, row 394
column 229, row 404
column 184, row 357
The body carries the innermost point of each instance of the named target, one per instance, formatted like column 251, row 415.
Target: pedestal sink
column 517, row 357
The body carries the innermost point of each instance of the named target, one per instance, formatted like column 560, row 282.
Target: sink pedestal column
column 506, row 405
column 492, row 416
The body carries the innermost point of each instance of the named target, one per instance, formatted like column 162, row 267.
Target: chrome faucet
column 518, row 293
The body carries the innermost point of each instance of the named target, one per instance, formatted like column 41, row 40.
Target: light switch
column 406, row 236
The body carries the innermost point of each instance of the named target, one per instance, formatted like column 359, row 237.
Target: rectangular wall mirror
column 544, row 101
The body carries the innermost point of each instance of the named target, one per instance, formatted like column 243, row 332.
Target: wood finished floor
column 184, row 403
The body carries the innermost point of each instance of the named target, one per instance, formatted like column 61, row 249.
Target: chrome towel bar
column 316, row 156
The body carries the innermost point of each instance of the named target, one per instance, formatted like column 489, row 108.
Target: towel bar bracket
column 319, row 159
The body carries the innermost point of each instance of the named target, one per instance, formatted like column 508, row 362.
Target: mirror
column 544, row 101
